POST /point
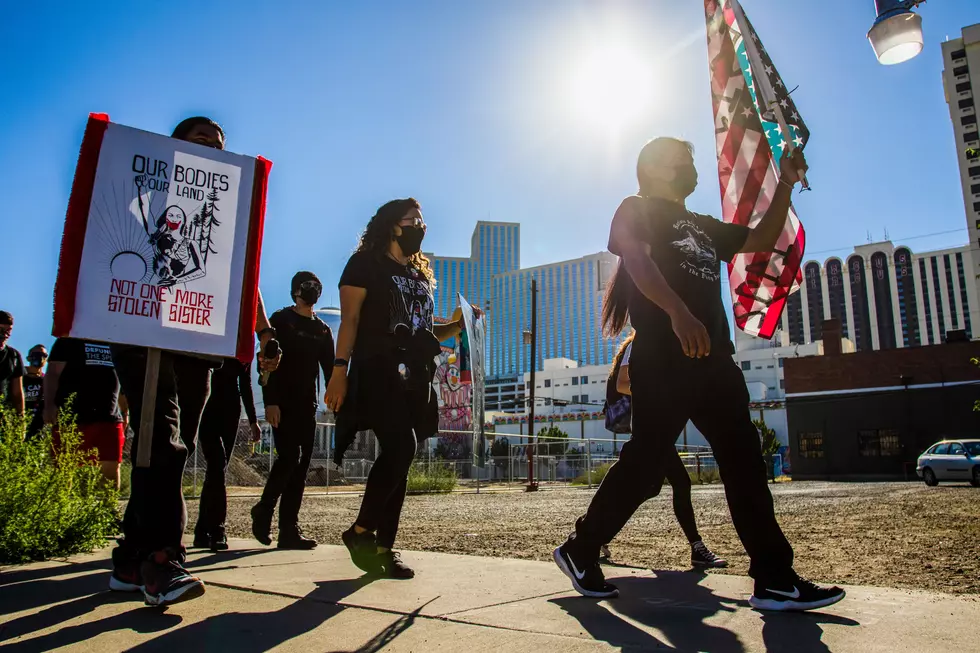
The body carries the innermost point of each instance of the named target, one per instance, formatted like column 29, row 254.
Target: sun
column 611, row 87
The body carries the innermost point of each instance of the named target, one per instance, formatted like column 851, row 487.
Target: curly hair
column 377, row 235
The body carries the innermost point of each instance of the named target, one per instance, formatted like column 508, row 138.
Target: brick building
column 870, row 414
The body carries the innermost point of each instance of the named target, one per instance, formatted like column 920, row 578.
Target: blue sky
column 469, row 106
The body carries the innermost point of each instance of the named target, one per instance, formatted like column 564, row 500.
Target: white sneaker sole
column 560, row 561
column 117, row 585
column 793, row 606
column 183, row 593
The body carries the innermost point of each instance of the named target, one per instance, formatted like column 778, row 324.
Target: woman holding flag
column 386, row 349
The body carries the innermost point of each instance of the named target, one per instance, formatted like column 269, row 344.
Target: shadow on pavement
column 677, row 605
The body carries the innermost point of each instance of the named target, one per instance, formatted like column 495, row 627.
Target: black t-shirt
column 305, row 342
column 688, row 248
column 11, row 367
column 231, row 385
column 90, row 375
column 398, row 305
column 33, row 394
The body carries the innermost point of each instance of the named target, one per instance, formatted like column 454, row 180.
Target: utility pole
column 532, row 338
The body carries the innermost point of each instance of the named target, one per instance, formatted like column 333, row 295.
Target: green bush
column 51, row 503
column 598, row 473
column 431, row 478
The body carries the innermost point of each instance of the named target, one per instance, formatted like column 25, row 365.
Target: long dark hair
column 615, row 303
column 377, row 235
column 618, row 358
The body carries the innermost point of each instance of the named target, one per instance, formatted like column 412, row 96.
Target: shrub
column 51, row 503
column 431, row 478
column 598, row 473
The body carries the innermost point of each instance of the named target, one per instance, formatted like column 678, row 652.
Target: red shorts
column 106, row 438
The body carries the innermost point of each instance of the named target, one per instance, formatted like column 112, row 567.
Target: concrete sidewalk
column 259, row 599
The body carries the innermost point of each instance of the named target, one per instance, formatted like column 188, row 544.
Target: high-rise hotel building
column 569, row 306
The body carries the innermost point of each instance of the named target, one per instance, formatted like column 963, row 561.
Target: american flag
column 750, row 143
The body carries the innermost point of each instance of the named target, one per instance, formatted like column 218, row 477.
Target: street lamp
column 896, row 34
column 531, row 338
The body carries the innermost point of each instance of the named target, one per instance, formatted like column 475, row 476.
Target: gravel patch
column 902, row 535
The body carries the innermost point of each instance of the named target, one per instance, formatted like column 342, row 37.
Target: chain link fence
column 509, row 462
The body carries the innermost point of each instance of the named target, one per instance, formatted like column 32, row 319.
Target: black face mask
column 685, row 181
column 309, row 292
column 410, row 240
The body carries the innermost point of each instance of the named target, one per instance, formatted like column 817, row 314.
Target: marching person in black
column 618, row 394
column 290, row 396
column 382, row 379
column 669, row 284
column 151, row 557
column 231, row 386
column 34, row 389
column 11, row 367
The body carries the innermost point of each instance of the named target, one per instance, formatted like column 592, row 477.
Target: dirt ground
column 886, row 534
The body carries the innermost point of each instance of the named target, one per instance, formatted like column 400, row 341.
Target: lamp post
column 531, row 338
column 896, row 34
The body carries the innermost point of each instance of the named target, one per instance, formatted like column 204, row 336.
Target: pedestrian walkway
column 260, row 599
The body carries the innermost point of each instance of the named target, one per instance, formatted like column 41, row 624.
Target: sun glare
column 611, row 87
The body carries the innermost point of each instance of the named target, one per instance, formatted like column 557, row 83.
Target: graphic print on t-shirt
column 698, row 250
column 99, row 355
column 33, row 388
column 411, row 306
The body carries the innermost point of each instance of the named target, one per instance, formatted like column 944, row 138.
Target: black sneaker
column 293, row 538
column 796, row 594
column 218, row 540
column 166, row 580
column 394, row 567
column 586, row 577
column 126, row 575
column 262, row 524
column 201, row 541
column 702, row 556
column 363, row 549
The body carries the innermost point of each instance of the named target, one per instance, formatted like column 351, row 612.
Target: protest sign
column 161, row 244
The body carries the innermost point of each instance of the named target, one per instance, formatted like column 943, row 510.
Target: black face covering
column 309, row 292
column 685, row 181
column 410, row 240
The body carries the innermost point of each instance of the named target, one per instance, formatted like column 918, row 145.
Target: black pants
column 219, row 430
column 710, row 392
column 156, row 515
column 294, row 447
column 384, row 494
column 680, row 487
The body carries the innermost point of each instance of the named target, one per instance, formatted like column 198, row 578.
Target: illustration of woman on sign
column 176, row 256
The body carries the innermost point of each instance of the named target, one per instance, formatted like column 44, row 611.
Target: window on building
column 811, row 444
column 574, row 399
column 547, row 383
column 585, row 399
column 969, row 137
column 782, row 384
column 960, row 70
column 769, row 367
column 963, row 87
column 966, row 103
column 746, row 366
column 574, row 380
column 547, row 401
column 782, row 362
column 890, row 442
column 957, row 54
column 868, row 443
column 973, row 171
column 969, row 120
column 585, row 380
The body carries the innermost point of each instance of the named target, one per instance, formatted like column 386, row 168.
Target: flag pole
column 763, row 87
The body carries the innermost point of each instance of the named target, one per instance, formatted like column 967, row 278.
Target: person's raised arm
column 764, row 235
column 351, row 300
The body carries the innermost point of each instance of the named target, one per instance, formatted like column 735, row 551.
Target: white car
column 950, row 460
